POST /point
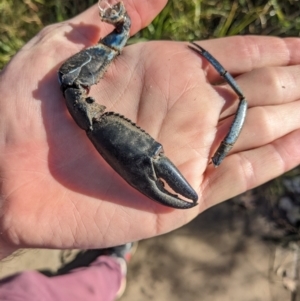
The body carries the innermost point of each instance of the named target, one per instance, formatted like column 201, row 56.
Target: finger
column 140, row 12
column 246, row 170
column 242, row 54
column 87, row 28
column 271, row 86
column 264, row 125
column 264, row 86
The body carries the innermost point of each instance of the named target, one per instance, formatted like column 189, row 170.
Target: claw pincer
column 139, row 159
column 128, row 149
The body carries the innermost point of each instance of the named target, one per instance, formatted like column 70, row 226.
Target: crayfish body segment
column 128, row 149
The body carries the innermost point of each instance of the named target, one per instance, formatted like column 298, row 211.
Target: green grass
column 180, row 20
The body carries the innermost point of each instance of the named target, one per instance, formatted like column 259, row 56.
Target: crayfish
column 127, row 148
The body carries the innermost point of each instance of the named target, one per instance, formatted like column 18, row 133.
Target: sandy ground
column 218, row 256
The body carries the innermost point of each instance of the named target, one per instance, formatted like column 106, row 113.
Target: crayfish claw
column 167, row 171
column 128, row 149
column 158, row 193
column 140, row 161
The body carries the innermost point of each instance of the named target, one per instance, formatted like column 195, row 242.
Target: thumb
column 140, row 12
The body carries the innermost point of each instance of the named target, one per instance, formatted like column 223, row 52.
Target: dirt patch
column 218, row 256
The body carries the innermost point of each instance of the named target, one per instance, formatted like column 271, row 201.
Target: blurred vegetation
column 180, row 20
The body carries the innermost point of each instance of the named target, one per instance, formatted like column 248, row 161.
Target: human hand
column 56, row 189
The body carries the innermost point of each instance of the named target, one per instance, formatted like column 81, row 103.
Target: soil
column 221, row 255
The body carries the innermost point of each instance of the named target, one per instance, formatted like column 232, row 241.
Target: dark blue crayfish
column 128, row 149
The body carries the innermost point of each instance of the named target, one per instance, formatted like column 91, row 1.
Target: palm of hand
column 54, row 178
